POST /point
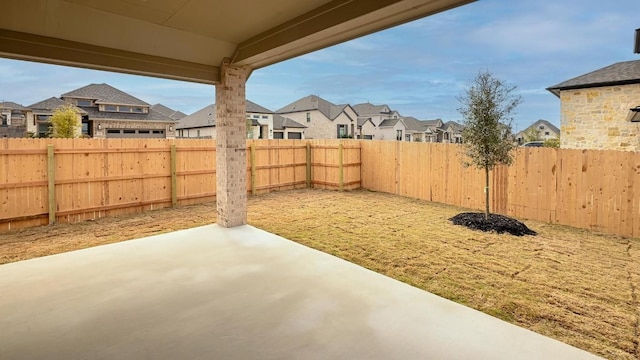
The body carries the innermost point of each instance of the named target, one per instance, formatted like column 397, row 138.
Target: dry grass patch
column 573, row 285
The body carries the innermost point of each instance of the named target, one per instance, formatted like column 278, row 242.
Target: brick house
column 323, row 119
column 598, row 110
column 112, row 113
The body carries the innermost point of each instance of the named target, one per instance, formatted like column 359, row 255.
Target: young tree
column 487, row 106
column 64, row 123
column 532, row 134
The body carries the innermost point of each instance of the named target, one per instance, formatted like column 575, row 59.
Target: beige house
column 43, row 110
column 323, row 119
column 285, row 128
column 15, row 120
column 544, row 129
column 599, row 110
column 202, row 123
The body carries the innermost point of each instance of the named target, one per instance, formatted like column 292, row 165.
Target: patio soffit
column 189, row 39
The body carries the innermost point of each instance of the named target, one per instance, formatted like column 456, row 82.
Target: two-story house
column 112, row 113
column 323, row 119
column 15, row 120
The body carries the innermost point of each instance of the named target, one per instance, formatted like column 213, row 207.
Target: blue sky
column 419, row 68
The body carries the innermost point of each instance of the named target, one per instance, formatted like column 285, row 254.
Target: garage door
column 278, row 135
column 135, row 133
column 294, row 135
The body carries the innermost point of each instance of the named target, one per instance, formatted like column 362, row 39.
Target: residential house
column 542, row 128
column 43, row 110
column 112, row 113
column 202, row 123
column 174, row 114
column 599, row 110
column 324, row 120
column 451, row 132
column 285, row 128
column 387, row 124
column 420, row 130
column 15, row 120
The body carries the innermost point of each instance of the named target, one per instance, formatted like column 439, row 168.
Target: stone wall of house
column 319, row 127
column 596, row 118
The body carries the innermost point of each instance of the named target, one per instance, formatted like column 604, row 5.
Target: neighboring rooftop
column 204, row 117
column 366, row 109
column 280, row 123
column 313, row 102
column 174, row 114
column 627, row 72
column 104, row 94
column 13, row 106
column 52, row 104
column 545, row 123
column 252, row 107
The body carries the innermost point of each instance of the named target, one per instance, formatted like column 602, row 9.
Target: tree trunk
column 486, row 193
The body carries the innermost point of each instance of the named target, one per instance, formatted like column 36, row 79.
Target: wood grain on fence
column 106, row 177
column 590, row 189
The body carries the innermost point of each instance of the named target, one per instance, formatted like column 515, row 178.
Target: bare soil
column 573, row 285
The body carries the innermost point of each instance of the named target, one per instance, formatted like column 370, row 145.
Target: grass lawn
column 573, row 285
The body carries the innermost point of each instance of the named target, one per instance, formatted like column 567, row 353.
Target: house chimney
column 636, row 48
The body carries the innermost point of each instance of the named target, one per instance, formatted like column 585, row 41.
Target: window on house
column 113, row 131
column 43, row 118
column 198, row 133
column 546, row 133
column 256, row 116
column 124, row 108
column 399, row 135
column 138, row 109
column 43, row 129
column 85, row 128
column 81, row 102
column 342, row 131
column 541, row 127
column 265, row 116
column 3, row 118
column 129, row 131
column 308, row 117
column 158, row 131
column 110, row 108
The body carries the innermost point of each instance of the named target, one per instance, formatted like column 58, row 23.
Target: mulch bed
column 497, row 223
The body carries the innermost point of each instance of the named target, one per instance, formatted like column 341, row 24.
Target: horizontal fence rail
column 68, row 180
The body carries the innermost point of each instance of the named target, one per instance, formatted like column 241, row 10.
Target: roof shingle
column 627, row 72
column 104, row 94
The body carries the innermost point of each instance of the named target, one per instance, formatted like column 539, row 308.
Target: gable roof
column 13, row 106
column 51, row 104
column 281, row 122
column 626, row 72
column 389, row 123
column 370, row 109
column 545, row 123
column 104, row 94
column 176, row 115
column 313, row 102
column 202, row 118
column 452, row 126
column 255, row 108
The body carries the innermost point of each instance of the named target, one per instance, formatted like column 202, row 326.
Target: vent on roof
column 636, row 48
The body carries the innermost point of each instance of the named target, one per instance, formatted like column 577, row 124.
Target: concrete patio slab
column 239, row 293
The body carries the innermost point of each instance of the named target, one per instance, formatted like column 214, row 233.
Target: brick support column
column 231, row 146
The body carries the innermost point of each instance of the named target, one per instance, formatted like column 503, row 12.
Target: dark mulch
column 498, row 223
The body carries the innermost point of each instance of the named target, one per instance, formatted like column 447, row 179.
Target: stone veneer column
column 231, row 145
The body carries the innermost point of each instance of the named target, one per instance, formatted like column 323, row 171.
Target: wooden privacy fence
column 68, row 180
column 590, row 189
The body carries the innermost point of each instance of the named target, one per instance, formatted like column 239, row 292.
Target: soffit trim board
column 30, row 47
column 271, row 46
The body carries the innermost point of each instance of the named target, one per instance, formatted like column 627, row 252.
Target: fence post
column 341, row 165
column 308, row 164
column 174, row 177
column 253, row 167
column 51, row 177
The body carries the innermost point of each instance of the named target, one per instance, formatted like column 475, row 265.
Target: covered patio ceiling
column 189, row 39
